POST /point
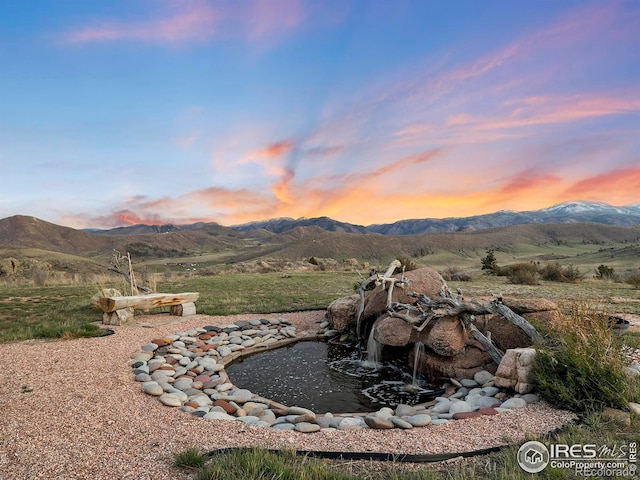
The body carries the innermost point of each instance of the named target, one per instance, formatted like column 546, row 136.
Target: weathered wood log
column 146, row 302
column 489, row 347
column 377, row 279
column 450, row 307
column 183, row 310
column 517, row 320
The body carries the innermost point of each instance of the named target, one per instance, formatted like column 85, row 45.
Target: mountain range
column 547, row 234
column 567, row 212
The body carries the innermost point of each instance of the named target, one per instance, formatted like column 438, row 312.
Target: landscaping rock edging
column 186, row 370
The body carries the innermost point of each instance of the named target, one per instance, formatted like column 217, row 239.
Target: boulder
column 423, row 280
column 506, row 335
column 446, row 336
column 529, row 305
column 393, row 331
column 342, row 313
column 465, row 364
column 516, row 370
column 105, row 292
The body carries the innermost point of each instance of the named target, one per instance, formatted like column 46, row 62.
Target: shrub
column 605, row 273
column 522, row 273
column 634, row 280
column 557, row 273
column 584, row 372
column 455, row 274
column 406, row 264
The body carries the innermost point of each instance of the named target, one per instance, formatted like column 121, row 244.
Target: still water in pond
column 327, row 378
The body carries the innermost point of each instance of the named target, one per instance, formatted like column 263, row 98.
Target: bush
column 557, row 273
column 584, row 372
column 406, row 264
column 634, row 280
column 605, row 273
column 455, row 274
column 521, row 273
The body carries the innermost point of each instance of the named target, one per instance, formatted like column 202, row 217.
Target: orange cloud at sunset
column 613, row 186
column 530, row 181
column 273, row 150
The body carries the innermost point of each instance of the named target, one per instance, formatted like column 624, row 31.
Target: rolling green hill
column 29, row 239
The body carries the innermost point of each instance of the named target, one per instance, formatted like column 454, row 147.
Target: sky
column 120, row 112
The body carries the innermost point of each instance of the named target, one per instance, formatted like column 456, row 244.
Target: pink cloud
column 273, row 150
column 550, row 110
column 200, row 20
column 527, row 181
column 620, row 186
column 269, row 19
column 195, row 21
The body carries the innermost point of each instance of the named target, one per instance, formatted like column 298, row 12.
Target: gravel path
column 86, row 418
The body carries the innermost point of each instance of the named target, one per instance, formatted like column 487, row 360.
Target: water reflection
column 327, row 378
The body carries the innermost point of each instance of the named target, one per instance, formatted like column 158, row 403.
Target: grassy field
column 59, row 311
column 65, row 311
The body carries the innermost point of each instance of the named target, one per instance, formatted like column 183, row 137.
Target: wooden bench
column 120, row 310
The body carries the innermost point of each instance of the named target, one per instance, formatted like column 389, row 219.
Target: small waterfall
column 374, row 350
column 417, row 357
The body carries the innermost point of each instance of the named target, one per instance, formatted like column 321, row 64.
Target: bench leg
column 122, row 316
column 184, row 309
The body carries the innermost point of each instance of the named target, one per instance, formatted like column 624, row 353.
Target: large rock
column 105, row 292
column 516, row 370
column 393, row 331
column 506, row 335
column 529, row 305
column 446, row 336
column 423, row 280
column 342, row 313
column 465, row 364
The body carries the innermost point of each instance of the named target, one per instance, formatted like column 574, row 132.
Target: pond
column 327, row 377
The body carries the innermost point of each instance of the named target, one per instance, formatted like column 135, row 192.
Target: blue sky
column 157, row 111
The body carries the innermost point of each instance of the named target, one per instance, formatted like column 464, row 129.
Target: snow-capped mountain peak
column 570, row 208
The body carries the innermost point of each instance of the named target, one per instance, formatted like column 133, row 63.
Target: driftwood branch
column 448, row 306
column 374, row 280
column 126, row 276
column 425, row 309
column 489, row 347
column 116, row 262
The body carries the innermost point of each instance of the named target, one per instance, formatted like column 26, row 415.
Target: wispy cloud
column 192, row 20
column 268, row 20
column 183, row 21
column 612, row 186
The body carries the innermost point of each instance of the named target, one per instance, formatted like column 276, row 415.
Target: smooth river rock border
column 186, row 370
